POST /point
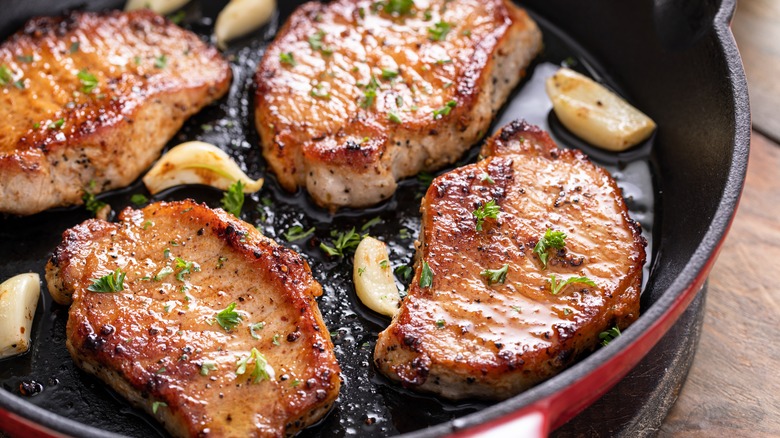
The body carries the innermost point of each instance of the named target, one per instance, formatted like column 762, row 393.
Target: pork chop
column 494, row 321
column 354, row 95
column 89, row 100
column 215, row 329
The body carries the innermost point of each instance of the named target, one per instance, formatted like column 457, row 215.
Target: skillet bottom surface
column 369, row 405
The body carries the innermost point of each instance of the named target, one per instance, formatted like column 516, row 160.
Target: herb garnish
column 287, row 58
column 371, row 223
column 609, row 335
column 393, row 117
column 113, row 282
column 445, row 110
column 440, row 323
column 74, row 47
column 556, row 287
column 384, row 264
column 426, row 276
column 88, row 81
column 233, row 199
column 177, row 17
column 207, row 366
column 439, row 31
column 297, row 233
column 186, row 268
column 319, row 92
column 495, row 275
column 485, row 177
column 389, row 73
column 487, row 210
column 57, row 124
column 404, row 272
column 276, row 339
column 369, row 95
column 164, row 272
column 156, row 405
column 256, row 326
column 138, row 199
column 25, row 58
column 161, row 61
column 551, row 239
column 315, row 41
column 262, row 370
column 228, row 318
column 344, row 242
column 397, row 7
column 6, row 77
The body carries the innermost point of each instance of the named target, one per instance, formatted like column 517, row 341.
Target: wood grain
column 756, row 28
column 733, row 388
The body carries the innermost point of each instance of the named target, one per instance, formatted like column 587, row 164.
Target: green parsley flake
column 178, row 17
column 384, row 264
column 426, row 276
column 185, row 268
column 207, row 366
column 485, row 177
column 440, row 323
column 233, row 199
column 113, row 282
column 228, row 318
column 25, row 58
column 404, row 272
column 393, row 117
column 551, row 239
column 371, row 223
column 6, row 76
column 158, row 404
column 388, row 74
column 439, row 31
column 556, row 286
column 88, row 81
column 256, row 326
column 138, row 199
column 262, row 370
column 495, row 275
column 609, row 335
column 57, row 124
column 296, row 233
column 164, row 272
column 74, row 47
column 161, row 61
column 488, row 210
column 320, row 92
column 276, row 339
column 369, row 95
column 91, row 203
column 445, row 110
column 396, row 7
column 346, row 241
column 287, row 58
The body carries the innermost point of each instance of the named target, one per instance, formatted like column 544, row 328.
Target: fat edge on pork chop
column 354, row 95
column 488, row 316
column 197, row 318
column 88, row 101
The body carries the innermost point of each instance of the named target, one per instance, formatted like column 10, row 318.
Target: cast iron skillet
column 676, row 60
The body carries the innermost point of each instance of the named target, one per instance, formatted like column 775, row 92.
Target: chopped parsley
column 319, row 92
column 178, row 17
column 207, row 366
column 487, row 210
column 221, row 261
column 57, row 124
column 495, row 275
column 91, row 203
column 426, row 276
column 425, row 178
column 287, row 58
column 109, row 283
column 371, row 223
column 384, row 264
column 233, row 199
column 185, row 268
column 262, row 370
column 395, row 7
column 404, row 272
column 256, row 326
column 551, row 239
column 161, row 61
column 393, row 117
column 25, row 58
column 445, row 110
column 276, row 339
column 228, row 318
column 440, row 323
column 315, row 41
column 609, row 335
column 485, row 177
column 74, row 47
column 156, row 405
column 345, row 241
column 389, row 73
column 297, row 233
column 439, row 31
column 139, row 199
column 164, row 272
column 517, row 309
column 556, row 286
column 88, row 81
column 361, row 271
column 6, row 77
column 369, row 94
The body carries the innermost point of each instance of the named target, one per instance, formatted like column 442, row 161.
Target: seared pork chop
column 214, row 330
column 354, row 95
column 90, row 100
column 493, row 322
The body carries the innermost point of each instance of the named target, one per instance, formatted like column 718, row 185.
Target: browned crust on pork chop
column 151, row 341
column 59, row 134
column 320, row 131
column 463, row 337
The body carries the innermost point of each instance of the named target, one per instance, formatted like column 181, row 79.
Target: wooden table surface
column 733, row 389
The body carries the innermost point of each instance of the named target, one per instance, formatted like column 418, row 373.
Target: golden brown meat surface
column 465, row 337
column 354, row 95
column 161, row 341
column 90, row 100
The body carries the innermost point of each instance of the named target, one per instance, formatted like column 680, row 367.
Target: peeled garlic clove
column 162, row 7
column 373, row 277
column 241, row 17
column 18, row 300
column 196, row 162
column 596, row 114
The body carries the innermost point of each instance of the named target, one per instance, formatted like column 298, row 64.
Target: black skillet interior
column 674, row 69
